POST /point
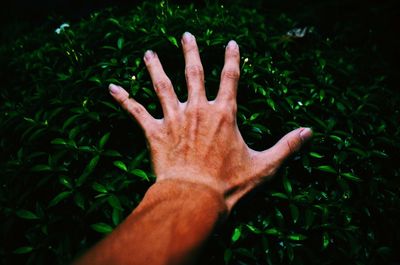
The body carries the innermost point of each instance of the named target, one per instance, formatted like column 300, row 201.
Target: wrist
column 174, row 189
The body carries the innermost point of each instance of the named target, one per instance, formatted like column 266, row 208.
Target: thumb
column 286, row 146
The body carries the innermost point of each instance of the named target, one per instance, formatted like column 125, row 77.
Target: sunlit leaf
column 102, row 228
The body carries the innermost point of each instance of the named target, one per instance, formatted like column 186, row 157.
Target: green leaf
column 116, row 216
column 351, row 176
column 98, row 187
column 327, row 168
column 38, row 168
column 272, row 231
column 253, row 229
column 140, row 173
column 61, row 196
column 114, row 21
column 102, row 228
column 64, row 180
column 316, row 155
column 325, row 240
column 236, row 234
column 112, row 153
column 104, row 140
column 79, row 200
column 23, row 250
column 59, row 141
column 227, row 256
column 279, row 195
column 294, row 211
column 114, row 202
column 95, row 79
column 120, row 43
column 88, row 170
column 297, row 237
column 25, row 214
column 172, row 39
column 287, row 185
column 121, row 165
column 271, row 103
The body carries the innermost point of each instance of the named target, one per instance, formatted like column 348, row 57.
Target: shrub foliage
column 73, row 163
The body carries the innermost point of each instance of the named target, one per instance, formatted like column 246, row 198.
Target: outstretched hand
column 199, row 140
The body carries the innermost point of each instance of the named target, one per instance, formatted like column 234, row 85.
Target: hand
column 199, row 140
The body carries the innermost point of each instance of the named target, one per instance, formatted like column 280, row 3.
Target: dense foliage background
column 73, row 164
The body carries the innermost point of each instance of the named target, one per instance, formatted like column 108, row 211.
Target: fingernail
column 232, row 44
column 305, row 134
column 113, row 88
column 187, row 37
column 148, row 55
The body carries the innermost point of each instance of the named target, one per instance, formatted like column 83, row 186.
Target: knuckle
column 124, row 102
column 190, row 47
column 291, row 146
column 193, row 111
column 162, row 85
column 194, row 71
column 231, row 73
column 136, row 110
column 226, row 112
column 233, row 51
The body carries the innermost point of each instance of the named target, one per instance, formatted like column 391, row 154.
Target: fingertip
column 148, row 55
column 114, row 89
column 187, row 37
column 232, row 45
column 306, row 134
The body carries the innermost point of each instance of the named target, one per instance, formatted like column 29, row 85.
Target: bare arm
column 202, row 164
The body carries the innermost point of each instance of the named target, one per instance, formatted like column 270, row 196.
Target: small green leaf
column 140, row 173
column 325, row 240
column 120, row 43
column 95, row 79
column 23, row 250
column 271, row 103
column 25, row 214
column 112, row 153
column 287, row 185
column 297, row 237
column 102, row 228
column 316, row 155
column 114, row 21
column 351, row 176
column 227, row 256
column 61, row 196
column 116, row 216
column 114, row 202
column 236, row 234
column 98, row 187
column 327, row 168
column 272, row 231
column 294, row 211
column 253, row 229
column 279, row 195
column 64, row 180
column 41, row 168
column 79, row 201
column 59, row 141
column 104, row 140
column 172, row 39
column 88, row 170
column 121, row 165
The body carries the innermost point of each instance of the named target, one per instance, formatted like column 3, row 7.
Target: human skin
column 201, row 162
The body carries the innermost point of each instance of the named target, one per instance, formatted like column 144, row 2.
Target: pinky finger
column 142, row 116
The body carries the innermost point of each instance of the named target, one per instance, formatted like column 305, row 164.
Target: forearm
column 169, row 225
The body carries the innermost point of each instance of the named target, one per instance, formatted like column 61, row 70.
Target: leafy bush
column 73, row 164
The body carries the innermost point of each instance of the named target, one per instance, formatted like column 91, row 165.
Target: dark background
column 360, row 20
